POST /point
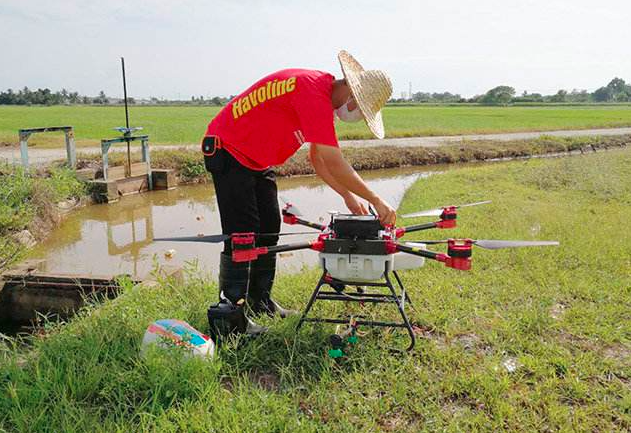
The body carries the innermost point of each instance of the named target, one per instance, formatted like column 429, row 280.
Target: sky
column 179, row 48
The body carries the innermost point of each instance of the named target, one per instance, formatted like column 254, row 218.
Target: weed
column 27, row 201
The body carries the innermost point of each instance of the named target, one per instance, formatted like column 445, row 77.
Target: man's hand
column 387, row 214
column 354, row 205
column 330, row 165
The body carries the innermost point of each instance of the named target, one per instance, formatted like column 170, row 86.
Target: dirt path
column 41, row 156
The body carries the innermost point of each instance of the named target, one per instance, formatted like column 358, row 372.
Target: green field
column 562, row 315
column 185, row 124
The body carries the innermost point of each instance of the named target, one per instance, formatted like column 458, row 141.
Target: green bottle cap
column 352, row 339
column 336, row 353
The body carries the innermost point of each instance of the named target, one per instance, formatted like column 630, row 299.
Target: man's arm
column 344, row 178
column 354, row 205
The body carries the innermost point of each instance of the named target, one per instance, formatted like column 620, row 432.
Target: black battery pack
column 356, row 226
column 225, row 318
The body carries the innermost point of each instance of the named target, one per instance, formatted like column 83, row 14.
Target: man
column 263, row 127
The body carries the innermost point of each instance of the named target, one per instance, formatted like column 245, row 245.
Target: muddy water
column 117, row 238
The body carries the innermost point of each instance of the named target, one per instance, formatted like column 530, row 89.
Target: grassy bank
column 28, row 201
column 560, row 314
column 189, row 165
column 185, row 125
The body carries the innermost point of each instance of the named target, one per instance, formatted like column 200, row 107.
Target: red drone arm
column 245, row 250
column 291, row 219
column 447, row 221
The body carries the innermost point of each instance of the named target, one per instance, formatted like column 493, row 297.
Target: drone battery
column 356, row 226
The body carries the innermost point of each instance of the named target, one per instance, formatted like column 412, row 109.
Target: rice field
column 186, row 124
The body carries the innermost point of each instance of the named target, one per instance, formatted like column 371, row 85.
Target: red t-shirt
column 268, row 123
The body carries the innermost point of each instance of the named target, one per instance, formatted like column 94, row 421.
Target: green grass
column 27, row 201
column 185, row 125
column 563, row 313
column 188, row 163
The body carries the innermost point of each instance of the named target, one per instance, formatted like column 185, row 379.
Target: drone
column 358, row 255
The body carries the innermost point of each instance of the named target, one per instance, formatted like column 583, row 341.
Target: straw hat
column 371, row 90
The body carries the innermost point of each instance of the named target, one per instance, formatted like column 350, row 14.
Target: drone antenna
column 127, row 131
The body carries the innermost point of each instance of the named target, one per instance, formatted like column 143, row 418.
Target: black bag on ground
column 224, row 319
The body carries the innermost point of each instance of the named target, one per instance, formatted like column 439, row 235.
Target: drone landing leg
column 314, row 296
column 400, row 283
column 401, row 306
column 365, row 296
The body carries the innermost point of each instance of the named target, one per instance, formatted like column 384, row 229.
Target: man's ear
column 352, row 104
column 339, row 93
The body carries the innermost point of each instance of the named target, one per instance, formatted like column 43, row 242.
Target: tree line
column 27, row 96
column 46, row 96
column 616, row 91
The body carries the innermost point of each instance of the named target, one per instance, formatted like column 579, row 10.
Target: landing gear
column 365, row 292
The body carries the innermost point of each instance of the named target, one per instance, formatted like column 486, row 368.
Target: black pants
column 247, row 199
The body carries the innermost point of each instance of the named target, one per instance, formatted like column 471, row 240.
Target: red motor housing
column 289, row 218
column 243, row 247
column 448, row 218
column 459, row 254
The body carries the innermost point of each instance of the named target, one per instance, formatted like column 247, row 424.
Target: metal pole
column 24, row 148
column 70, row 148
column 146, row 159
column 126, row 119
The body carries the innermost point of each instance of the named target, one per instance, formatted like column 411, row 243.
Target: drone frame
column 458, row 256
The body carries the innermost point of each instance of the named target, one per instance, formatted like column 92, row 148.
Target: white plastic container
column 356, row 267
column 366, row 267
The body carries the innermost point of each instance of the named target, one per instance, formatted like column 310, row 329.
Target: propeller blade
column 424, row 213
column 220, row 238
column 285, row 234
column 474, row 204
column 496, row 245
column 199, row 238
column 439, row 211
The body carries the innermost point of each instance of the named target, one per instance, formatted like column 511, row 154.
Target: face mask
column 348, row 116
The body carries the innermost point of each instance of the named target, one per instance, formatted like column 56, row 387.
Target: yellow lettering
column 281, row 88
column 274, row 88
column 236, row 109
column 291, row 84
column 260, row 93
column 264, row 93
column 252, row 97
column 246, row 104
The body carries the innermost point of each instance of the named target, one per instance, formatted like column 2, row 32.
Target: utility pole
column 127, row 131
